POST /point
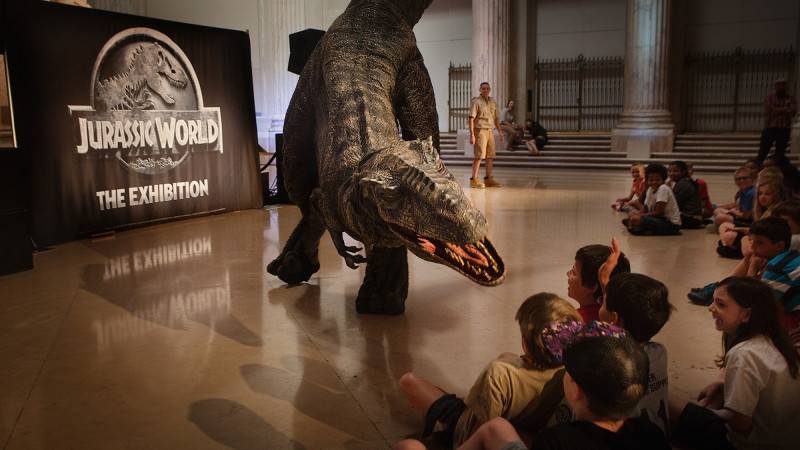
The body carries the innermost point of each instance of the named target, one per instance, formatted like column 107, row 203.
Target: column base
column 641, row 143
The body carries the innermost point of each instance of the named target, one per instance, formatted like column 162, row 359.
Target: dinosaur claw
column 353, row 261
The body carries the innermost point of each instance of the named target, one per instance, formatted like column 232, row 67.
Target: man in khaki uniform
column 483, row 119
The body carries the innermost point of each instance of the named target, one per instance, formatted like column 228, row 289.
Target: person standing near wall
column 483, row 119
column 779, row 108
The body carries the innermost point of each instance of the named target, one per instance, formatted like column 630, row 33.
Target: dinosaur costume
column 347, row 168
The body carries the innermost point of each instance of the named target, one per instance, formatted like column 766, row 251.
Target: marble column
column 646, row 125
column 490, row 23
column 274, row 83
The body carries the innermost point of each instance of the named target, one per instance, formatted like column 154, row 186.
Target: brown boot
column 490, row 182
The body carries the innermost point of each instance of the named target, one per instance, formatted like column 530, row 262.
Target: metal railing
column 581, row 94
column 722, row 91
column 725, row 90
column 459, row 96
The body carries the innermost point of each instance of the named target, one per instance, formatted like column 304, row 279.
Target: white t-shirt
column 654, row 402
column 758, row 384
column 795, row 242
column 664, row 194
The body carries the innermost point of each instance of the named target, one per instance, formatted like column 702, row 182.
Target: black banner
column 129, row 121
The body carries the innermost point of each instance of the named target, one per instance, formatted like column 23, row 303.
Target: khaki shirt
column 503, row 389
column 484, row 112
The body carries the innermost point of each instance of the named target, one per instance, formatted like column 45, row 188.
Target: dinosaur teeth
column 482, row 247
column 454, row 256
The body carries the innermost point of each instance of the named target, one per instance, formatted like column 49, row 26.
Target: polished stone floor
column 174, row 337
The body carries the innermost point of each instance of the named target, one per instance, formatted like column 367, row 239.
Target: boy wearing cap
column 606, row 377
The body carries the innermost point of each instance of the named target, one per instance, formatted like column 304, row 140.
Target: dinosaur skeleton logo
column 146, row 106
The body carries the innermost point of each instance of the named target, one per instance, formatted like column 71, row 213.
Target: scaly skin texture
column 150, row 66
column 346, row 167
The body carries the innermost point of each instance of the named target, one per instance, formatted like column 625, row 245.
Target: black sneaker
column 729, row 252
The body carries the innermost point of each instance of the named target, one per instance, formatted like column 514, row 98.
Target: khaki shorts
column 484, row 144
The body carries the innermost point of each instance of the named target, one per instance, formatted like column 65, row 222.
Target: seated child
column 660, row 215
column 778, row 266
column 606, row 375
column 686, row 194
column 789, row 210
column 791, row 176
column 582, row 285
column 702, row 189
column 773, row 261
column 640, row 305
column 754, row 402
column 753, row 164
column 768, row 194
column 637, row 189
column 741, row 209
column 513, row 387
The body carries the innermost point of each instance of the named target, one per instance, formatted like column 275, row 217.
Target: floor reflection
column 174, row 336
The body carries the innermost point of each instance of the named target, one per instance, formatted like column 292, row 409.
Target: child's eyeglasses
column 741, row 178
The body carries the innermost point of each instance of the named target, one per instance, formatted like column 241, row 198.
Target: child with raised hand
column 631, row 201
column 660, row 215
column 521, row 389
column 582, row 283
column 754, row 403
column 640, row 305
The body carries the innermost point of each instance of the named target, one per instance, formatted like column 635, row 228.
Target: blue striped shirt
column 782, row 274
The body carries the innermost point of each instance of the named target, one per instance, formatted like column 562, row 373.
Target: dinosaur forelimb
column 349, row 253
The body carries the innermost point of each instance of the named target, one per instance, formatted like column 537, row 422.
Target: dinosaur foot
column 386, row 303
column 385, row 285
column 293, row 267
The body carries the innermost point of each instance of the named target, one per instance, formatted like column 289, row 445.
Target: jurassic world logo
column 146, row 106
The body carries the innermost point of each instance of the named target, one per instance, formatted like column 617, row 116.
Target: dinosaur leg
column 385, row 285
column 299, row 258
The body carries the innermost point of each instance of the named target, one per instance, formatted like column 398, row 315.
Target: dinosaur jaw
column 477, row 261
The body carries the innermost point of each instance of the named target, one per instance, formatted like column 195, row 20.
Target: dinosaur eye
column 440, row 167
column 388, row 195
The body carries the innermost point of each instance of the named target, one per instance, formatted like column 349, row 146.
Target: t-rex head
column 411, row 199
